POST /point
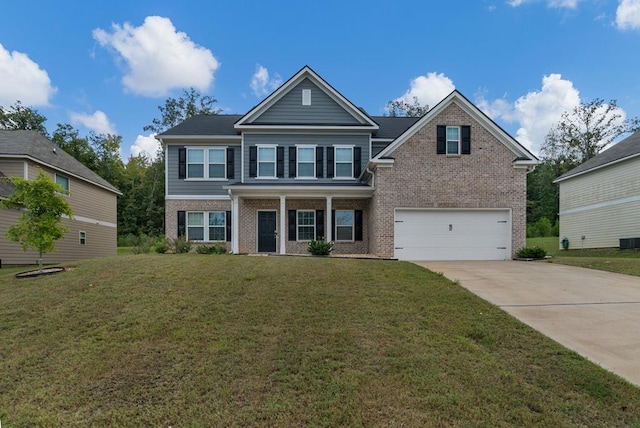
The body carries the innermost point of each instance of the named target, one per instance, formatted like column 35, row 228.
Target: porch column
column 235, row 225
column 282, row 234
column 329, row 230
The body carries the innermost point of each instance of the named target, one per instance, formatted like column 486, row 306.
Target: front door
column 266, row 231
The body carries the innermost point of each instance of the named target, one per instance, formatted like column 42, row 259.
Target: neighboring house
column 307, row 163
column 92, row 232
column 600, row 199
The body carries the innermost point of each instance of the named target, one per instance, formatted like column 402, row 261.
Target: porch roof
column 300, row 191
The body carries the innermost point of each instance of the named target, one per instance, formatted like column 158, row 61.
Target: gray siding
column 288, row 140
column 377, row 147
column 176, row 186
column 323, row 109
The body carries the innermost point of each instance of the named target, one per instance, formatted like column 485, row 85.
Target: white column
column 235, row 225
column 328, row 233
column 282, row 234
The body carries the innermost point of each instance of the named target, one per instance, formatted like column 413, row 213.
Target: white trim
column 606, row 204
column 302, row 192
column 329, row 231
column 306, row 127
column 275, row 161
column 196, row 197
column 311, row 147
column 206, row 163
column 483, row 120
column 283, row 241
column 335, row 161
column 305, row 225
column 304, row 73
column 25, row 170
column 80, row 232
column 595, row 168
column 353, row 227
column 91, row 221
column 235, row 227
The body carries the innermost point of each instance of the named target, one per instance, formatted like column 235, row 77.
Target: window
column 267, row 161
column 306, row 97
column 306, row 225
column 453, row 140
column 215, row 159
column 344, row 162
column 63, row 182
column 306, row 162
column 344, row 225
column 83, row 238
column 216, row 230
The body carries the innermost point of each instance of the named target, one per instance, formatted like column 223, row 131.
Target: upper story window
column 267, row 161
column 453, row 140
column 63, row 182
column 343, row 162
column 206, row 163
column 82, row 238
column 306, row 158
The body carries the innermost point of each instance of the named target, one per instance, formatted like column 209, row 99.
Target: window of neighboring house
column 344, row 162
column 217, row 226
column 83, row 238
column 63, row 182
column 214, row 159
column 344, row 225
column 267, row 161
column 453, row 140
column 306, row 225
column 215, row 230
column 306, row 158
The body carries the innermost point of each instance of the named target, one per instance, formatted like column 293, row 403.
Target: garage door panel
column 452, row 234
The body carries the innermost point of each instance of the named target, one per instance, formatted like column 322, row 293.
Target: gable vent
column 306, row 97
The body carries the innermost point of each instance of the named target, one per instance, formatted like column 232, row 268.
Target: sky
column 107, row 66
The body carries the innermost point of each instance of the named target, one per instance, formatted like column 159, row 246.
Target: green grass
column 201, row 340
column 609, row 259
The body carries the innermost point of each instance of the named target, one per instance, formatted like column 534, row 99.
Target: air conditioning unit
column 629, row 243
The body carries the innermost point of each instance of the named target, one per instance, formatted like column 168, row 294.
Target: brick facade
column 172, row 206
column 420, row 178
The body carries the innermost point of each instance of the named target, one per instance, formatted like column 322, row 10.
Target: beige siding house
column 306, row 163
column 600, row 199
column 93, row 230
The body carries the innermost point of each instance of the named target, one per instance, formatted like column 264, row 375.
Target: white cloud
column 628, row 15
column 98, row 122
column 569, row 4
column 23, row 80
column 429, row 89
column 158, row 58
column 261, row 84
column 145, row 145
column 536, row 112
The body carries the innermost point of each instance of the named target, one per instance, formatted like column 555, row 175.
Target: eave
column 293, row 191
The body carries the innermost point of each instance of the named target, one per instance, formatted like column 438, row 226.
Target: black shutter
column 228, row 226
column 230, row 163
column 320, row 224
column 280, row 161
column 357, row 161
column 182, row 223
column 182, row 163
column 292, row 225
column 441, row 140
column 253, row 161
column 292, row 161
column 329, row 162
column 357, row 235
column 466, row 140
column 319, row 162
column 333, row 224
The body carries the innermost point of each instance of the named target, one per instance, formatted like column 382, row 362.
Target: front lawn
column 609, row 259
column 201, row 340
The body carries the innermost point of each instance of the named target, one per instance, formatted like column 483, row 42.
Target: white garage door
column 452, row 234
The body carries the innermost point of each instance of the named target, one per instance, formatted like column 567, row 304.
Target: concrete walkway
column 595, row 313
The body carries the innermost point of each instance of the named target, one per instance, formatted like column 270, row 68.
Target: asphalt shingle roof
column 628, row 147
column 31, row 144
column 393, row 127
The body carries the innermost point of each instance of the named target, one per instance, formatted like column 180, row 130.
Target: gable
column 306, row 101
column 321, row 109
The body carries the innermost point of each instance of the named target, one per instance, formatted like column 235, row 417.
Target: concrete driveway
column 595, row 313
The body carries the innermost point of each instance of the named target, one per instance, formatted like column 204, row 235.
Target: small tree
column 402, row 108
column 39, row 227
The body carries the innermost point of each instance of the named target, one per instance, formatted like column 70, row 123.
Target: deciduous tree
column 18, row 117
column 40, row 225
column 402, row 108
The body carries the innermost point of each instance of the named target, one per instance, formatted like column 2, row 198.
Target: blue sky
column 106, row 66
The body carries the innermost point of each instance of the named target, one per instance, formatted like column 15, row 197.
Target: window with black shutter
column 292, row 225
column 292, row 161
column 182, row 223
column 230, row 163
column 253, row 161
column 280, row 161
column 329, row 162
column 182, row 163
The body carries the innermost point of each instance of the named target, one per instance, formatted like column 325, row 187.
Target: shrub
column 162, row 245
column 141, row 244
column 531, row 253
column 211, row 249
column 181, row 245
column 320, row 247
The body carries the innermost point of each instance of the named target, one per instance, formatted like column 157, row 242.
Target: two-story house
column 307, row 163
column 93, row 229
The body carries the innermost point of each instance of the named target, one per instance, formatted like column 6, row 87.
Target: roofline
column 595, row 168
column 482, row 118
column 200, row 137
column 306, row 127
column 283, row 89
column 249, row 190
column 48, row 165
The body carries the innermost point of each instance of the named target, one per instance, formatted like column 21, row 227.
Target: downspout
column 373, row 177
